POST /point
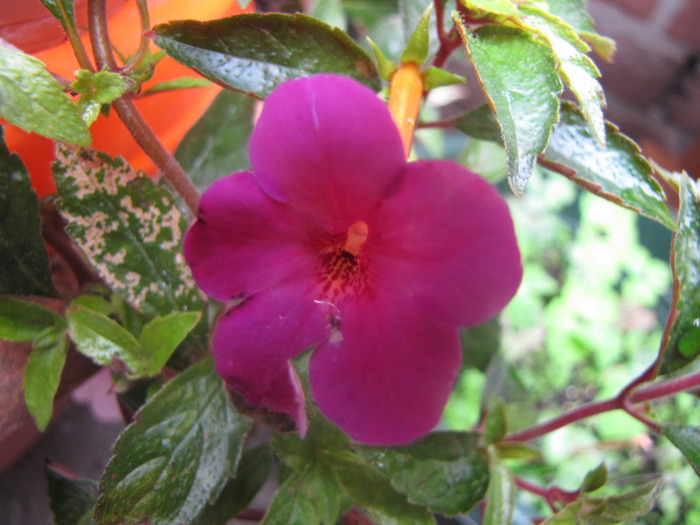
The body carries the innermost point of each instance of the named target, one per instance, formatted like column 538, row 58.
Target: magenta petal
column 328, row 145
column 254, row 341
column 385, row 377
column 243, row 241
column 447, row 239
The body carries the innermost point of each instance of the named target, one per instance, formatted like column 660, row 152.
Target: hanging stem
column 125, row 108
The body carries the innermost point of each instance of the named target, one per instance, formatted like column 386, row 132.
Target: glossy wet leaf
column 217, row 144
column 42, row 374
column 24, row 320
column 24, row 264
column 72, row 499
column 254, row 53
column 617, row 172
column 686, row 438
column 176, row 457
column 129, row 228
column 518, row 74
column 32, row 99
column 445, row 471
column 500, row 497
column 684, row 339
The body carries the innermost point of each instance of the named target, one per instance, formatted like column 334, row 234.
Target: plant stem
column 448, row 41
column 136, row 59
column 75, row 41
column 124, row 106
column 551, row 495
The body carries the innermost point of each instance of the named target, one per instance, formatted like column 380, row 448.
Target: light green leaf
column 434, row 77
column 495, row 425
column 217, row 144
column 179, row 83
column 686, row 438
column 24, row 264
column 595, row 478
column 176, row 457
column 72, row 500
column 625, row 507
column 616, row 172
column 518, row 74
column 445, row 471
column 129, row 228
column 385, row 66
column 574, row 13
column 418, row 45
column 490, row 9
column 161, row 337
column 566, row 516
column 684, row 339
column 500, row 497
column 517, row 450
column 32, row 99
column 25, row 320
column 254, row 53
column 96, row 89
column 42, row 374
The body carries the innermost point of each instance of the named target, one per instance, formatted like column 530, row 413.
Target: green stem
column 125, row 108
column 75, row 41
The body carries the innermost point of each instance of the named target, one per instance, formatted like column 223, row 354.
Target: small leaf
column 684, row 339
column 480, row 124
column 32, row 99
column 418, row 45
column 161, row 337
column 434, row 77
column 385, row 67
column 254, row 53
column 595, row 478
column 25, row 320
column 445, row 471
column 72, row 500
column 42, row 374
column 179, row 83
column 500, row 497
column 626, row 507
column 218, row 143
column 518, row 74
column 96, row 89
column 686, row 438
column 480, row 343
column 517, row 450
column 129, row 228
column 566, row 516
column 616, row 172
column 495, row 426
column 176, row 457
column 490, row 9
column 24, row 264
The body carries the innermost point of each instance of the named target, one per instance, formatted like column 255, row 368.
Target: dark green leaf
column 252, row 473
column 518, row 74
column 480, row 124
column 445, row 471
column 24, row 320
column 687, row 439
column 595, row 478
column 32, row 99
column 179, row 83
column 218, row 143
column 626, row 507
column 254, row 53
column 24, row 265
column 500, row 497
column 480, row 343
column 62, row 10
column 616, row 172
column 42, row 374
column 161, row 337
column 176, row 457
column 684, row 340
column 129, row 229
column 72, row 500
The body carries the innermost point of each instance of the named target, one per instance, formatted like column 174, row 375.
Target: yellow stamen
column 405, row 97
column 357, row 235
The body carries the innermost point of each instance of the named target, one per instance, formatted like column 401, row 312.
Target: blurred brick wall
column 653, row 85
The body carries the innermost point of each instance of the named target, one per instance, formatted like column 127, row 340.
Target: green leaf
column 178, row 83
column 32, row 99
column 480, row 124
column 500, row 497
column 490, row 9
column 25, row 320
column 161, row 337
column 616, row 172
column 495, row 425
column 102, row 339
column 254, row 53
column 24, row 265
column 96, row 89
column 595, row 478
column 418, row 45
column 62, row 10
column 218, row 143
column 176, row 457
column 684, row 339
column 252, row 473
column 480, row 343
column 686, row 438
column 445, row 471
column 42, row 374
column 626, row 507
column 434, row 77
column 72, row 500
column 566, row 516
column 385, row 66
column 129, row 228
column 574, row 13
column 518, row 74
column 517, row 450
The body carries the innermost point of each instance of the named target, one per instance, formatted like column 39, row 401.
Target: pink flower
column 334, row 240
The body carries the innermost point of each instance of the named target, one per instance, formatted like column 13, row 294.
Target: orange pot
column 169, row 114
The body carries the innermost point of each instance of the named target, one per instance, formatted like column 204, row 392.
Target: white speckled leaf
column 129, row 228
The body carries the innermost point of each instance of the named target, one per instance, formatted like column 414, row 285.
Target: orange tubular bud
column 405, row 97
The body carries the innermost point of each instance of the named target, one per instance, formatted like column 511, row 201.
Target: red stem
column 448, row 41
column 551, row 495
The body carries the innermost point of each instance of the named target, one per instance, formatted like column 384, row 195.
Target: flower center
column 341, row 266
column 357, row 235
